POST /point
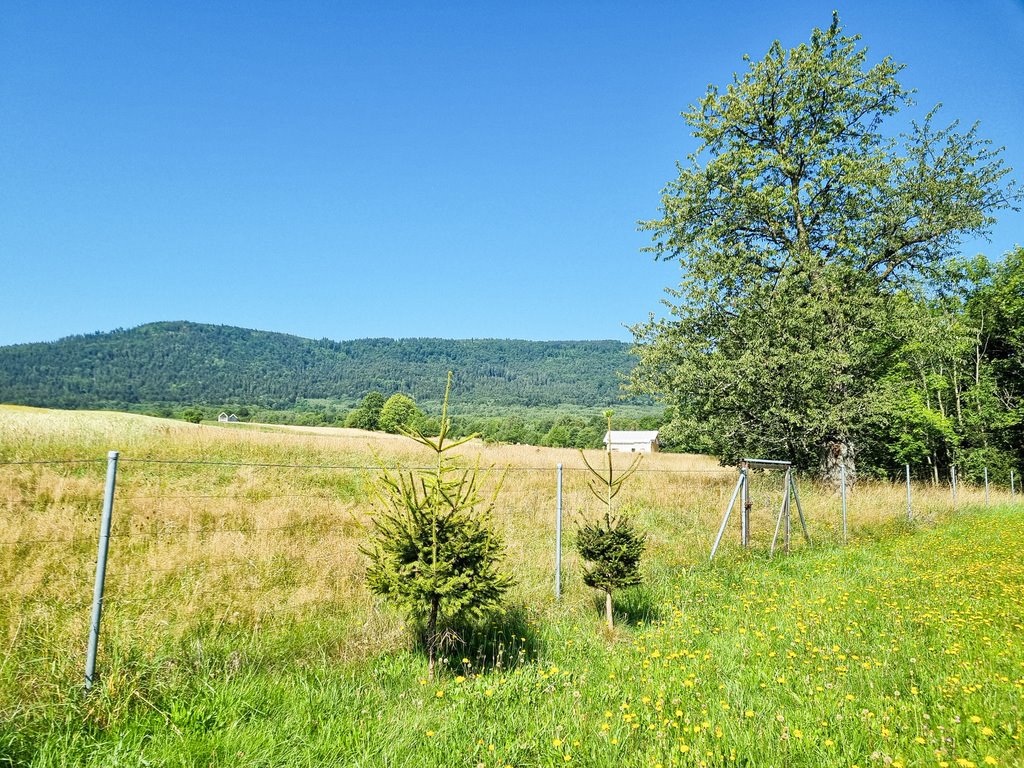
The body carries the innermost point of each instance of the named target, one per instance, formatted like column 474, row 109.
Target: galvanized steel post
column 101, row 569
column 558, row 538
column 728, row 511
column 842, row 481
column 910, row 513
column 952, row 482
column 745, row 508
column 986, row 486
column 786, row 522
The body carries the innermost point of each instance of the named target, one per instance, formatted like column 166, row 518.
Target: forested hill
column 190, row 363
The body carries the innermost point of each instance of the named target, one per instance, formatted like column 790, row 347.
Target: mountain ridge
column 186, row 363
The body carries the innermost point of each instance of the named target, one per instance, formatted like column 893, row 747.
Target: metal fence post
column 952, row 482
column 910, row 513
column 101, row 569
column 842, row 485
column 986, row 486
column 1012, row 489
column 745, row 508
column 787, row 527
column 558, row 538
column 728, row 511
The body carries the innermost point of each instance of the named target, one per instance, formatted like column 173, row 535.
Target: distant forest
column 170, row 368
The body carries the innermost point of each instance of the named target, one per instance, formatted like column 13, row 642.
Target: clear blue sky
column 346, row 170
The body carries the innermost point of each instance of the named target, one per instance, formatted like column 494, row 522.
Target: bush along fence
column 184, row 541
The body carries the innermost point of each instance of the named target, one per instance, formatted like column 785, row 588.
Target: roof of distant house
column 631, row 436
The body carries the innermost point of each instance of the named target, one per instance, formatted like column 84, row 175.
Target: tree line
column 400, row 413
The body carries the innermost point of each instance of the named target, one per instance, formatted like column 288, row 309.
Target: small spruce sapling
column 610, row 547
column 433, row 553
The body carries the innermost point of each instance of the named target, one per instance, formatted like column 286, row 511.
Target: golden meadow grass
column 253, row 535
column 270, row 521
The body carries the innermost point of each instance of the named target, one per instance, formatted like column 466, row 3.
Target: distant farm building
column 225, row 418
column 626, row 441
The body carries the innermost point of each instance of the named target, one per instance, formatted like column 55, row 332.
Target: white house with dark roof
column 632, row 441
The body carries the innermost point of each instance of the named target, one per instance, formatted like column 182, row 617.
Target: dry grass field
column 216, row 524
column 235, row 585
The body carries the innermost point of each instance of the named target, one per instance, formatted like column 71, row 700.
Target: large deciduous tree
column 798, row 223
column 398, row 413
column 367, row 415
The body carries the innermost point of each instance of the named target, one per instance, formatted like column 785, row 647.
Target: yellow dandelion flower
column 430, row 733
column 986, row 731
column 460, row 679
column 556, row 743
column 439, row 693
column 989, row 760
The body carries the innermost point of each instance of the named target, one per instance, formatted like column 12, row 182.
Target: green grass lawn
column 902, row 650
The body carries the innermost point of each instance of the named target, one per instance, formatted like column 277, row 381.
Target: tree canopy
column 807, row 226
column 195, row 364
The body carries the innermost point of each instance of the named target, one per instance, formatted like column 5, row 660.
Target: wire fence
column 193, row 541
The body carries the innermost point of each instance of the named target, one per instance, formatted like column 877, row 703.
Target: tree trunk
column 432, row 637
column 608, row 608
column 958, row 394
column 839, row 452
column 938, row 396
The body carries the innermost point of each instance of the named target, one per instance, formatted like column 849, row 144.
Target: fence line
column 51, row 461
column 390, row 467
column 140, row 515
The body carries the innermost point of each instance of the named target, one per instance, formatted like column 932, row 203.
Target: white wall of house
column 633, row 441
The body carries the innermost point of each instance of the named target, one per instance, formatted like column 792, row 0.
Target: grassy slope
column 250, row 640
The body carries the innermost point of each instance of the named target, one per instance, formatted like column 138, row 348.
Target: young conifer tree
column 433, row 553
column 610, row 547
